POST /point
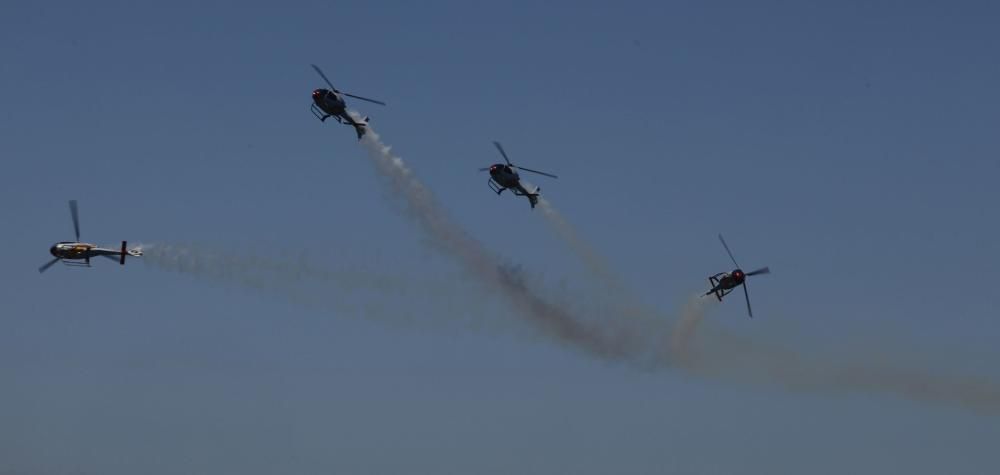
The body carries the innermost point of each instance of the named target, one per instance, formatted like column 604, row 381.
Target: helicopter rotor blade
column 76, row 218
column 723, row 241
column 538, row 172
column 484, row 169
column 747, row 294
column 500, row 148
column 46, row 266
column 320, row 71
column 363, row 98
column 762, row 270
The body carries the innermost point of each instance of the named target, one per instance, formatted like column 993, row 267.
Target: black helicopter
column 72, row 252
column 330, row 103
column 723, row 282
column 504, row 176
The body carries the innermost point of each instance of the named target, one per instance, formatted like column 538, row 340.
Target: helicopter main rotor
column 334, row 89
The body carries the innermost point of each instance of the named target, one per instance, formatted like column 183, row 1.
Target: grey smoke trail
column 683, row 334
column 633, row 336
column 262, row 271
column 720, row 354
column 348, row 288
column 617, row 299
column 450, row 238
column 594, row 262
column 727, row 356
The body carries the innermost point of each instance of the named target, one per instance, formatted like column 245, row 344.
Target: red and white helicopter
column 330, row 103
column 725, row 282
column 504, row 176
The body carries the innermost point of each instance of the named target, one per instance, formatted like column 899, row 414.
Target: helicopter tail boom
column 533, row 196
column 360, row 129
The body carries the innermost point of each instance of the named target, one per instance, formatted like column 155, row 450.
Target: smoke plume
column 608, row 324
column 594, row 262
column 721, row 354
column 633, row 333
column 348, row 288
column 419, row 204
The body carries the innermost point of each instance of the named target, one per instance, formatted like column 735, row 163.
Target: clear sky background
column 851, row 146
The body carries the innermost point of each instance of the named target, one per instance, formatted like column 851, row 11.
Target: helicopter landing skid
column 495, row 186
column 316, row 111
column 714, row 280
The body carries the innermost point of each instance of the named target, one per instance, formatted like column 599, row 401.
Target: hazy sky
column 850, row 147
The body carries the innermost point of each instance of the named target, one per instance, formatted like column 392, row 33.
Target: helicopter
column 69, row 252
column 504, row 176
column 723, row 283
column 330, row 103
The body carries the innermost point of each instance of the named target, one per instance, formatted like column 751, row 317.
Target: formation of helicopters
column 331, row 103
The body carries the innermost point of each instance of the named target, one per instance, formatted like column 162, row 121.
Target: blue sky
column 850, row 147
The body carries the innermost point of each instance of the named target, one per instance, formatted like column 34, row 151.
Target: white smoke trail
column 276, row 271
column 347, row 288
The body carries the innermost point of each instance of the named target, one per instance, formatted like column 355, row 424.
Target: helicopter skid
column 495, row 186
column 719, row 293
column 319, row 113
column 75, row 264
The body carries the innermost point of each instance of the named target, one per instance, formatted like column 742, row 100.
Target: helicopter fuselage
column 84, row 251
column 504, row 177
column 327, row 103
column 74, row 250
column 725, row 282
column 330, row 102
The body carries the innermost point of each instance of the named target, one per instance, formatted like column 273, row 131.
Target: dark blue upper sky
column 852, row 147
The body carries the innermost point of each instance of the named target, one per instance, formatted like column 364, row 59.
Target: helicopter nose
column 54, row 251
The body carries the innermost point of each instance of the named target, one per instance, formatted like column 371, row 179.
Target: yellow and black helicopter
column 72, row 252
